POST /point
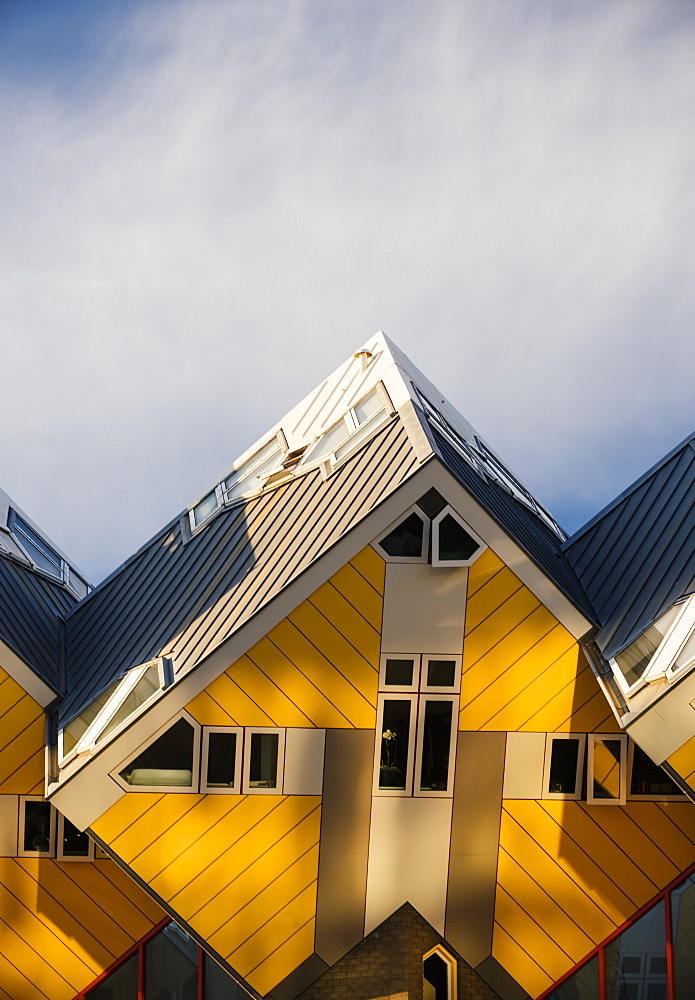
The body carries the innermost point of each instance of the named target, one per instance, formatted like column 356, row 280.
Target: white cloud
column 250, row 189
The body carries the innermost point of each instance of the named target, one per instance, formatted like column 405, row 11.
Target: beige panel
column 474, row 839
column 304, row 761
column 83, row 810
column 25, row 676
column 523, row 766
column 667, row 725
column 424, row 609
column 349, row 758
column 9, row 819
column 408, row 858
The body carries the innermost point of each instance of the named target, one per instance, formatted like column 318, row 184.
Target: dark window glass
column 636, row 961
column 648, row 778
column 122, row 984
column 75, row 843
column 395, row 736
column 606, row 769
column 564, row 756
column 455, row 544
column 583, row 985
column 221, row 760
column 436, row 742
column 168, row 761
column 399, row 672
column 37, row 827
column 441, row 673
column 41, row 553
column 683, row 923
column 171, row 966
column 436, row 978
column 406, row 539
column 263, row 769
column 219, row 985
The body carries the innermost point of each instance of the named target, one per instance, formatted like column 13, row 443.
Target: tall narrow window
column 395, row 743
column 36, row 827
column 564, row 764
column 436, row 746
column 607, row 771
column 221, row 760
column 439, row 975
column 73, row 844
column 263, row 766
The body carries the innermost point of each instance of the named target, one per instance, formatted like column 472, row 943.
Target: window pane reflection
column 171, row 966
column 219, row 985
column 636, row 961
column 583, row 985
column 683, row 917
column 122, row 984
column 393, row 765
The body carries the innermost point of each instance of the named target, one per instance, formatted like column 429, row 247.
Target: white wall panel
column 424, row 609
column 304, row 750
column 523, row 766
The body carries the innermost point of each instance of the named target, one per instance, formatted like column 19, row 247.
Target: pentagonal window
column 406, row 539
column 454, row 543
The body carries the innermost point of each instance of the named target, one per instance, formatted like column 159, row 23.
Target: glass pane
column 683, row 922
column 454, row 541
column 37, row 827
column 399, row 672
column 171, row 966
column 331, row 440
column 648, row 778
column 78, row 584
column 441, row 673
column 143, row 690
column 395, row 737
column 263, row 769
column 636, row 961
column 361, row 434
column 582, row 985
column 686, row 654
column 221, row 760
column 168, row 761
column 564, row 757
column 370, row 405
column 607, row 769
column 205, row 508
column 634, row 659
column 219, row 985
column 75, row 843
column 41, row 553
column 405, row 539
column 122, row 984
column 251, row 476
column 76, row 729
column 436, row 743
column 435, row 974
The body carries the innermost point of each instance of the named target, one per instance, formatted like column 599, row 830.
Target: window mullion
column 110, row 708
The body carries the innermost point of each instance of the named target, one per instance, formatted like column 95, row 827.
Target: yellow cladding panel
column 22, row 736
column 63, row 923
column 683, row 761
column 317, row 668
column 240, row 870
column 522, row 670
column 582, row 870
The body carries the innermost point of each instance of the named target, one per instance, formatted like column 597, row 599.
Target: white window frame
column 444, row 793
column 246, row 787
column 51, row 852
column 636, row 797
column 549, row 740
column 400, row 688
column 314, row 456
column 412, row 730
column 87, row 742
column 404, row 560
column 174, row 789
column 63, row 573
column 215, row 790
column 60, row 826
column 436, row 521
column 660, row 667
column 450, row 963
column 455, row 688
column 592, row 740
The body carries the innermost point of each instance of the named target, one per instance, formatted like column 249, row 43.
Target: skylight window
column 248, row 478
column 43, row 556
column 358, row 424
column 664, row 650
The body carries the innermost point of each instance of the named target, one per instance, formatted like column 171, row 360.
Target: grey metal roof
column 31, row 612
column 530, row 532
column 192, row 596
column 637, row 556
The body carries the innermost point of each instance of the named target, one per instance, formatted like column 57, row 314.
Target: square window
column 441, row 673
column 399, row 672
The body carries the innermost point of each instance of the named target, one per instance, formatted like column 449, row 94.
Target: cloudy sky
column 206, row 205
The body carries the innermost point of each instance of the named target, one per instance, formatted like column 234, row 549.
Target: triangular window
column 168, row 762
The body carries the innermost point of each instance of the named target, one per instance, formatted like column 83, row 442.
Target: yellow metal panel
column 511, row 956
column 160, row 818
column 207, row 712
column 259, row 875
column 275, row 897
column 683, row 760
column 303, row 692
column 530, row 936
column 130, row 808
column 261, row 689
column 227, row 693
column 125, row 884
column 340, row 612
column 372, row 567
column 618, row 824
column 10, row 694
column 18, row 984
column 671, row 824
column 553, row 864
column 24, row 746
column 594, row 714
column 482, row 570
column 178, row 832
column 543, row 907
column 488, row 598
column 558, row 692
column 285, row 959
column 509, row 632
column 346, row 688
column 274, row 933
column 361, row 595
column 30, row 777
column 108, row 898
column 24, row 957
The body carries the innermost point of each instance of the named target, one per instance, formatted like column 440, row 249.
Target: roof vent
column 364, row 357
